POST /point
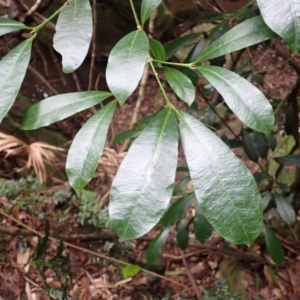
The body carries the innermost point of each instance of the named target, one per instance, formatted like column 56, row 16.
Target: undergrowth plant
column 226, row 192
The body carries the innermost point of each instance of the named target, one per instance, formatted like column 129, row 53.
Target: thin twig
column 190, row 276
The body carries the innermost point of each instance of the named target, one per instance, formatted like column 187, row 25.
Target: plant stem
column 159, row 82
column 173, row 63
column 40, row 26
column 135, row 15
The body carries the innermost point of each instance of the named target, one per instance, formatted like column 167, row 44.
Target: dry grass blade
column 37, row 154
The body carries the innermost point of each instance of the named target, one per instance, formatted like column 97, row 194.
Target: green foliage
column 226, row 191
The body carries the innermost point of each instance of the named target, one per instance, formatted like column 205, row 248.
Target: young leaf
column 130, row 270
column 13, row 67
column 126, row 64
column 156, row 246
column 157, row 49
column 176, row 210
column 148, row 7
column 59, row 107
column 182, row 236
column 73, row 33
column 142, row 188
column 179, row 43
column 245, row 34
column 285, row 209
column 292, row 159
column 87, row 148
column 224, row 187
column 202, row 227
column 283, row 17
column 9, row 25
column 274, row 246
column 181, row 84
column 244, row 99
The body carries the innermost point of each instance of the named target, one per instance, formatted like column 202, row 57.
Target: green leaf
column 224, row 187
column 156, row 246
column 283, row 17
column 181, row 84
column 59, row 107
column 176, row 210
column 130, row 270
column 245, row 34
column 157, row 49
column 9, row 25
column 266, row 199
column 126, row 64
column 182, row 236
column 255, row 145
column 202, row 228
column 13, row 67
column 178, row 44
column 148, row 7
column 244, row 99
column 124, row 135
column 142, row 188
column 73, row 33
column 292, row 159
column 285, row 209
column 274, row 246
column 87, row 147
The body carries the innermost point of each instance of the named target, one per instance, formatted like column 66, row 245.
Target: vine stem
column 103, row 256
column 135, row 15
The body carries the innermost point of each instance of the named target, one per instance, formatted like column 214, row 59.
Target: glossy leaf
column 157, row 49
column 178, row 44
column 273, row 245
column 202, row 228
column 13, row 67
column 148, row 7
column 181, row 84
column 292, row 159
column 196, row 51
column 130, row 270
column 224, row 187
column 9, row 25
column 126, row 64
column 73, row 33
column 244, row 99
column 283, row 17
column 182, row 236
column 87, row 147
column 142, row 188
column 285, row 209
column 156, row 246
column 59, row 107
column 245, row 34
column 176, row 209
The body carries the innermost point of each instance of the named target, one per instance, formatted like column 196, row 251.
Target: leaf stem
column 135, row 15
column 40, row 26
column 190, row 65
column 159, row 82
